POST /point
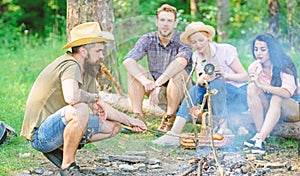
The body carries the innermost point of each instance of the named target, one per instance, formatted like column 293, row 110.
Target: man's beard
column 91, row 69
column 167, row 34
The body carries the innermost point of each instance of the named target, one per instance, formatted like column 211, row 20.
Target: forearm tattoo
column 87, row 97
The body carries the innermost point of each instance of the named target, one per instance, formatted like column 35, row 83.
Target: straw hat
column 86, row 33
column 197, row 27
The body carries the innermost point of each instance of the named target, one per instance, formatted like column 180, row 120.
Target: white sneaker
column 259, row 147
column 169, row 139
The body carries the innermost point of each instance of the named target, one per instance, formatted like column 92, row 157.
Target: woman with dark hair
column 272, row 89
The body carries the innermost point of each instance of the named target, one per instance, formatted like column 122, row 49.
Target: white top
column 222, row 55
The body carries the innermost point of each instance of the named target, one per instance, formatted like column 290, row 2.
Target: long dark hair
column 281, row 62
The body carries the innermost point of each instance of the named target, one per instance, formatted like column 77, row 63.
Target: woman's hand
column 219, row 71
column 257, row 80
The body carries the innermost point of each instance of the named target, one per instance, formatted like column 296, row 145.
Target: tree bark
column 80, row 11
column 274, row 13
column 223, row 18
column 291, row 7
column 193, row 7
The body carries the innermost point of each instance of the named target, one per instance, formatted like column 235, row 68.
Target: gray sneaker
column 72, row 170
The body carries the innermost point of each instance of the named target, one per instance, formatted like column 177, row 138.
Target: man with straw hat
column 64, row 110
column 168, row 61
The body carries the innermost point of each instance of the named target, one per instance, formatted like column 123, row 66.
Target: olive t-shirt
column 46, row 96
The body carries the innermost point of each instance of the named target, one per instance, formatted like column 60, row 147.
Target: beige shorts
column 162, row 96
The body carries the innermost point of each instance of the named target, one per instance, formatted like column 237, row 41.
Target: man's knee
column 116, row 128
column 79, row 111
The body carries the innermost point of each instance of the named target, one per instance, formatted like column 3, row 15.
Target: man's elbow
column 182, row 60
column 71, row 101
column 128, row 61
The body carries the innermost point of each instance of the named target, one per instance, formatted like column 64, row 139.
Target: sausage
column 218, row 136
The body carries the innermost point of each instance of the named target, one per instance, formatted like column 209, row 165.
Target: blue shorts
column 49, row 135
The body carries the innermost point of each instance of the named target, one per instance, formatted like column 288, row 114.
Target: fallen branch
column 122, row 103
column 112, row 79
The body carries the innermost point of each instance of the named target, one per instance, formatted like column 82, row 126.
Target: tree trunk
column 80, row 11
column 291, row 7
column 274, row 12
column 223, row 18
column 193, row 6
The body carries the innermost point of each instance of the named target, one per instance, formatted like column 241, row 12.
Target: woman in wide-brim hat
column 229, row 78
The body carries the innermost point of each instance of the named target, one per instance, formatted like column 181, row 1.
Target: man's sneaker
column 55, row 156
column 73, row 170
column 259, row 147
column 250, row 142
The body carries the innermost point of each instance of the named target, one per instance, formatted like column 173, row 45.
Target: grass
column 19, row 70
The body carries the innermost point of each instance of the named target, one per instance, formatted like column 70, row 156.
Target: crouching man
column 64, row 110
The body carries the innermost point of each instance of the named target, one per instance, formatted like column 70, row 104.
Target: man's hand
column 149, row 85
column 100, row 111
column 137, row 125
column 154, row 96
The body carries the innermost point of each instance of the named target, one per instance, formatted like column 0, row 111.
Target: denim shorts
column 49, row 135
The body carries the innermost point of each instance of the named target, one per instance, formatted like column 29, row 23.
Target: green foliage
column 21, row 67
column 207, row 13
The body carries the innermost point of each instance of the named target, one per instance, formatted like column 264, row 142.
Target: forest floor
column 96, row 159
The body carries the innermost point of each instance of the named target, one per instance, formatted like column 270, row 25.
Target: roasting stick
column 112, row 79
column 211, row 131
column 187, row 98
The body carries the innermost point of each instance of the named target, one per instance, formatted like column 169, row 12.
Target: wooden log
column 122, row 103
column 290, row 130
column 128, row 158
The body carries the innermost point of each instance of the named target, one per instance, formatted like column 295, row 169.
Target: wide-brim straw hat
column 86, row 33
column 197, row 27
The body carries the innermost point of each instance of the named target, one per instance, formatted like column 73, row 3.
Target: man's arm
column 133, row 69
column 74, row 95
column 174, row 67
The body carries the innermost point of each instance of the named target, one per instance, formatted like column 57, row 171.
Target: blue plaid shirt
column 158, row 56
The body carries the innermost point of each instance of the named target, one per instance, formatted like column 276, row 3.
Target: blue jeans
column 228, row 97
column 49, row 135
column 236, row 99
